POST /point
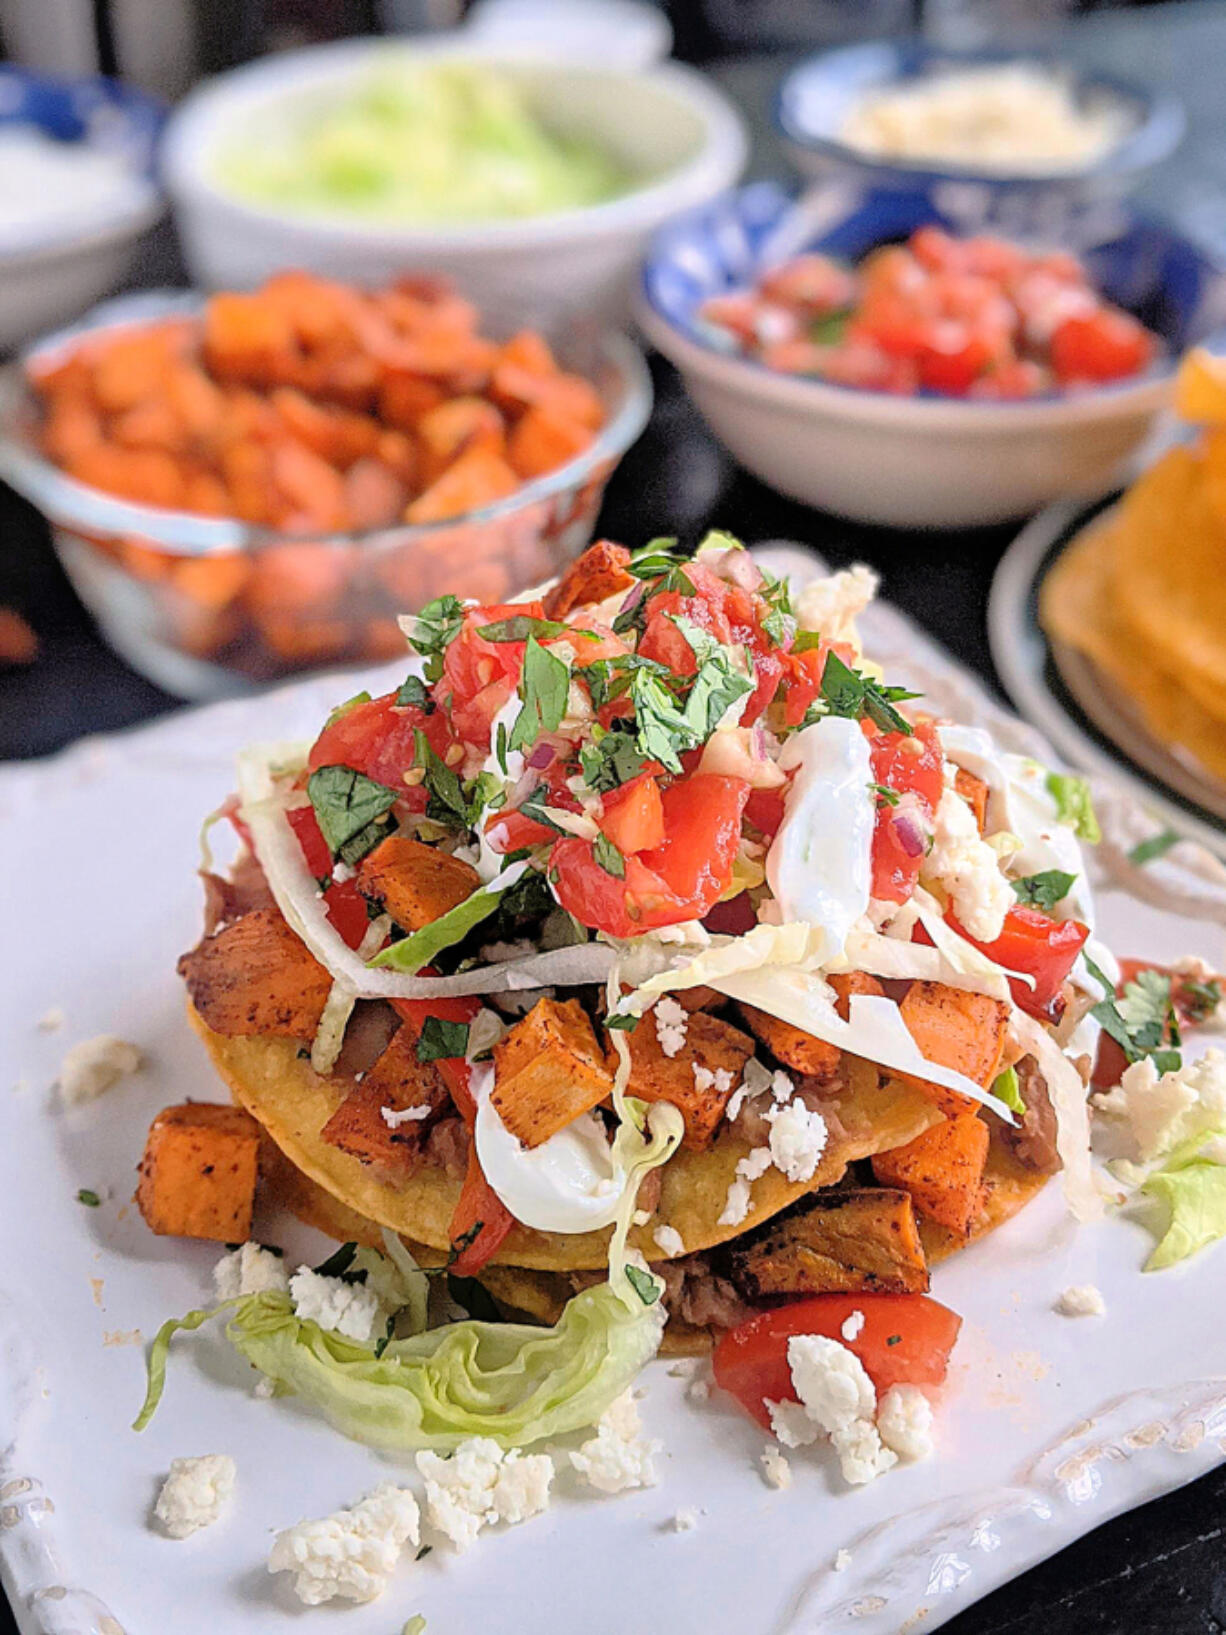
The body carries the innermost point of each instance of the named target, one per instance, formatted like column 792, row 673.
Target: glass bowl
column 212, row 607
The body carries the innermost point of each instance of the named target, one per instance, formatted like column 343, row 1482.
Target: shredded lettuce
column 1193, row 1188
column 1006, row 1088
column 418, row 949
column 1074, row 805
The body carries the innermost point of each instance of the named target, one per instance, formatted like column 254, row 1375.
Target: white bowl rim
column 68, row 503
column 129, row 219
column 716, row 165
column 928, row 415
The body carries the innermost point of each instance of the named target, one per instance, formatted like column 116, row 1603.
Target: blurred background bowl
column 65, row 260
column 212, row 607
column 816, row 97
column 924, row 461
column 668, row 125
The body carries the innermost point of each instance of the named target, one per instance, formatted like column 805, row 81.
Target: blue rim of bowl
column 67, row 503
column 1156, row 136
column 756, row 372
column 62, row 107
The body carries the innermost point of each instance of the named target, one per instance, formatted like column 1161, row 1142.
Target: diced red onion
column 736, row 567
column 540, row 757
column 909, row 835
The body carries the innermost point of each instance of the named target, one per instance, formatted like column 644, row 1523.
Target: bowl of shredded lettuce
column 533, row 183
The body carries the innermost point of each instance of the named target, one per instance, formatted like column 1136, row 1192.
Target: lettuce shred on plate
column 448, row 142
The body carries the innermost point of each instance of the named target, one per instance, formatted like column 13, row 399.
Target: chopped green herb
column 351, row 810
column 1074, row 805
column 608, row 857
column 780, row 621
column 520, row 627
column 1199, row 1000
column 500, row 748
column 447, row 802
column 662, row 559
column 848, row 693
column 441, row 1040
column 830, row 330
column 89, row 1198
column 544, row 688
column 412, row 691
column 644, row 1284
column 385, row 1339
column 1045, row 890
column 716, row 685
column 1142, row 1021
column 338, row 1262
column 806, row 640
column 534, row 807
column 420, row 1556
column 1156, row 846
column 623, row 1021
column 610, row 760
column 435, row 628
column 884, row 794
column 894, row 1339
column 343, row 710
column 660, row 726
column 464, row 1241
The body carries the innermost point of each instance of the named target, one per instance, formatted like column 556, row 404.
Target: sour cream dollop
column 819, row 866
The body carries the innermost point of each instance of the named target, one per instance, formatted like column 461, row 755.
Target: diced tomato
column 736, row 312
column 1103, row 345
column 478, row 1202
column 910, row 764
column 955, row 355
column 768, row 667
column 764, row 809
column 906, row 1340
column 346, row 905
column 511, row 831
column 679, row 880
column 802, row 681
column 814, row 285
column 1037, row 946
column 633, row 816
column 378, row 738
column 663, row 642
column 314, row 847
column 1191, row 1008
column 479, row 676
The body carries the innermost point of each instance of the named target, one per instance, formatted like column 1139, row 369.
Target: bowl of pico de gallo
column 894, row 371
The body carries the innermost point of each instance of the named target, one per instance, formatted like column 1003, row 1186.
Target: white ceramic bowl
column 667, row 123
column 913, row 462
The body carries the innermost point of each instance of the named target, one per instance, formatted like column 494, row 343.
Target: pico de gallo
column 970, row 317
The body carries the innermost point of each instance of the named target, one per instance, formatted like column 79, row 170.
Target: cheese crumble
column 195, row 1493
column 618, row 1457
column 1082, row 1300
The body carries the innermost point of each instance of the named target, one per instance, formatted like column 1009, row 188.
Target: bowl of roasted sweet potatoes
column 248, row 485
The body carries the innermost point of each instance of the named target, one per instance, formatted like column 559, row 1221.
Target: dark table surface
column 1160, row 1568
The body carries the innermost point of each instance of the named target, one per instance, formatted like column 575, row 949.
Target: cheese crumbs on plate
column 1082, row 1300
column 349, row 1555
column 618, row 1457
column 195, row 1493
column 480, row 1484
column 92, row 1067
column 775, row 1468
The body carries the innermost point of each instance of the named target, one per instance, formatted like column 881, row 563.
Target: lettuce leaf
column 420, row 947
column 1196, row 1199
column 510, row 1381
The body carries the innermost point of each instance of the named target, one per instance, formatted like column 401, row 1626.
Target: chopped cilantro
column 412, row 691
column 662, row 559
column 385, row 1339
column 436, row 627
column 716, row 685
column 519, row 627
column 610, row 760
column 1156, row 846
column 447, row 802
column 848, row 693
column 885, row 796
column 441, row 1040
column 644, row 1284
column 1074, row 805
column 608, row 857
column 544, row 688
column 1045, row 890
column 1142, row 1021
column 351, row 810
column 623, row 1021
column 500, row 748
column 660, row 726
column 534, row 807
column 780, row 621
column 89, row 1198
column 830, row 330
column 338, row 1262
column 806, row 640
column 464, row 1241
column 1199, row 1000
column 894, row 1339
column 342, row 710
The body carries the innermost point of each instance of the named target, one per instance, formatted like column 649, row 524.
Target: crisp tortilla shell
column 277, row 1086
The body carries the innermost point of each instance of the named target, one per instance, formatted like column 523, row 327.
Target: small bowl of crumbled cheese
column 76, row 192
column 1000, row 140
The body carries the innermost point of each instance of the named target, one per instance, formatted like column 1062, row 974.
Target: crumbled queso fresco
column 618, row 1456
column 1081, row 1300
column 352, row 1554
column 671, row 1025
column 480, row 1484
column 797, row 1141
column 250, row 1269
column 195, row 1493
column 94, row 1066
column 347, row 1308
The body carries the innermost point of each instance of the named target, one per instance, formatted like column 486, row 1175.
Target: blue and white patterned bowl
column 926, row 461
column 79, row 256
column 815, row 98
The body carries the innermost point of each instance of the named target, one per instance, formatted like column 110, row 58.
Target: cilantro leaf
column 351, row 810
column 435, row 628
column 544, row 688
column 660, row 726
column 1142, row 1019
column 534, row 807
column 338, row 1262
column 89, row 1198
column 1199, row 1000
column 623, row 1021
column 884, row 795
column 441, row 1040
column 830, row 330
column 780, row 621
column 1074, row 805
column 1043, row 891
column 343, row 710
column 1156, row 846
column 609, row 857
column 848, row 693
column 519, row 627
column 716, row 685
column 447, row 801
column 412, row 691
column 609, row 761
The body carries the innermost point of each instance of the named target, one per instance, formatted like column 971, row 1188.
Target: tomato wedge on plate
column 906, row 1340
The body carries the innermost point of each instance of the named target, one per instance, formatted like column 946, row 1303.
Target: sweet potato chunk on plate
column 256, row 976
column 793, row 1046
column 547, row 1070
column 198, row 1172
column 859, row 1240
column 598, row 573
column 396, row 1083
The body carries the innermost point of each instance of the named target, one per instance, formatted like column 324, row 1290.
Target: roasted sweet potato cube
column 476, row 478
column 543, row 440
column 965, row 1031
column 864, row 1239
column 198, row 1172
column 599, row 572
column 942, row 1169
column 417, row 884
column 395, row 1084
column 975, row 793
column 698, row 1080
column 256, row 976
column 847, row 983
column 793, row 1046
column 548, row 1070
